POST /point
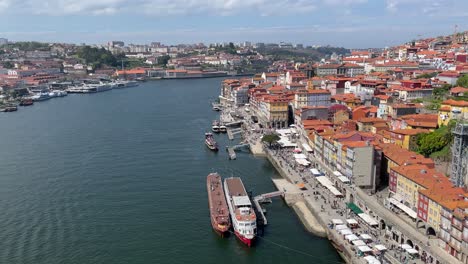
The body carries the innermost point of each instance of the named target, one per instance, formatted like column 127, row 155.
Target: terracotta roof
column 458, row 89
column 414, row 123
column 422, row 175
column 455, row 103
column 410, row 132
column 371, row 120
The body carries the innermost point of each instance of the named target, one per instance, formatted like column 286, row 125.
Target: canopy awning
column 371, row 260
column 337, row 221
column 301, row 185
column 380, row 247
column 315, row 172
column 365, row 237
column 364, row 248
column 405, row 246
column 300, row 156
column 340, row 227
column 358, row 243
column 351, row 237
column 337, row 173
column 307, row 147
column 303, row 162
column 411, row 251
column 354, row 208
column 403, row 207
column 345, row 232
column 368, row 219
column 324, row 181
column 344, row 179
column 351, row 221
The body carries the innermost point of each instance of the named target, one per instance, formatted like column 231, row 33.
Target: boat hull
column 213, row 148
column 247, row 241
column 219, row 211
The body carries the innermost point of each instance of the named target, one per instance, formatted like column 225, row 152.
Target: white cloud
column 426, row 7
column 171, row 7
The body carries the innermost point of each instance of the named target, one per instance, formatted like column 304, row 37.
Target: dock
column 232, row 132
column 262, row 197
column 232, row 153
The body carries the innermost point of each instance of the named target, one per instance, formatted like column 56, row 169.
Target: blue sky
column 348, row 23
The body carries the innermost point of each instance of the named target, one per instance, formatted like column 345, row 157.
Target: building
column 346, row 69
column 410, row 179
column 397, row 110
column 405, row 138
column 311, row 98
column 454, row 229
column 273, row 111
column 452, row 109
column 3, row 41
column 359, row 165
column 459, row 173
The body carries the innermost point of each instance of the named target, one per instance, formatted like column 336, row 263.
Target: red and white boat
column 210, row 142
column 243, row 218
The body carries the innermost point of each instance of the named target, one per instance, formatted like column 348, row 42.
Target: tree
column 463, row 81
column 8, row 65
column 163, row 60
column 435, row 141
column 270, row 139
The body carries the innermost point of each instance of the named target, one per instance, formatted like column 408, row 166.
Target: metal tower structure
column 459, row 175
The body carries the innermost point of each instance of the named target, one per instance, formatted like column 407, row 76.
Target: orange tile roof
column 371, row 120
column 402, row 156
column 423, row 176
column 430, row 124
column 455, row 103
column 410, row 132
column 458, row 89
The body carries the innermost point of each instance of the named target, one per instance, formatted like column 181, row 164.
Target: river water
column 119, row 177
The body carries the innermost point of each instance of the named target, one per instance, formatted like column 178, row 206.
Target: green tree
column 8, row 65
column 435, row 141
column 163, row 60
column 426, row 75
column 463, row 81
column 270, row 139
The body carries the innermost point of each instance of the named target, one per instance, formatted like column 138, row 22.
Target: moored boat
column 210, row 142
column 219, row 211
column 215, row 126
column 243, row 218
column 26, row 102
column 222, row 129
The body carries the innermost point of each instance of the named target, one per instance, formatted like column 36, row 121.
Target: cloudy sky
column 348, row 23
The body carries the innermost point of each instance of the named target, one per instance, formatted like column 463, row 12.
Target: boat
column 40, row 97
column 215, row 126
column 26, row 102
column 222, row 129
column 219, row 211
column 210, row 142
column 243, row 218
column 10, row 108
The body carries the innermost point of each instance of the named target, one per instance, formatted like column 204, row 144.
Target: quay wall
column 310, row 216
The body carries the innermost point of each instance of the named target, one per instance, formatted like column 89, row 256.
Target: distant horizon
column 353, row 24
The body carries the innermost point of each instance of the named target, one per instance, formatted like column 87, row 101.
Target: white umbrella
column 351, row 237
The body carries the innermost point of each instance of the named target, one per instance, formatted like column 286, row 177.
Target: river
column 119, row 177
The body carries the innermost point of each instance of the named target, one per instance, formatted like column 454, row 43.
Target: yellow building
column 406, row 138
column 275, row 111
column 411, row 179
column 452, row 109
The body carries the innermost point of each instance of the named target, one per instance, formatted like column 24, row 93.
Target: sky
column 343, row 23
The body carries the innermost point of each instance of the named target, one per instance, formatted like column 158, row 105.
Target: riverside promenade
column 317, row 207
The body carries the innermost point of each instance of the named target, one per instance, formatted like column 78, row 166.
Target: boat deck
column 235, row 186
